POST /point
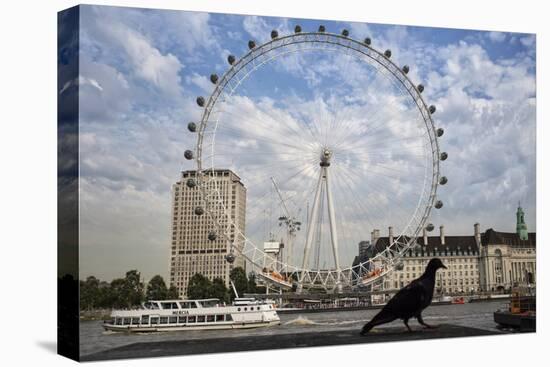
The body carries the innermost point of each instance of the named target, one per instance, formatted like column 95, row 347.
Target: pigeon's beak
column 443, row 266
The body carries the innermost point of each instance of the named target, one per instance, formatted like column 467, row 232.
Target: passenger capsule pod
column 443, row 156
column 230, row 258
column 440, row 132
column 214, row 78
column 420, row 88
column 212, row 236
column 387, row 53
column 432, row 109
column 406, row 69
column 251, row 44
column 438, row 204
column 322, row 29
column 231, row 59
column 367, row 41
column 191, row 183
column 199, row 210
column 297, row 29
column 430, row 227
column 192, row 127
column 274, row 34
column 345, row 33
column 443, row 180
column 200, row 101
column 188, row 154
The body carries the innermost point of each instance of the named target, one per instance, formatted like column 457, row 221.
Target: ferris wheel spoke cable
column 368, row 132
column 291, row 138
column 345, row 190
column 389, row 168
column 377, row 188
column 257, row 138
column 269, row 121
column 287, row 180
column 336, row 118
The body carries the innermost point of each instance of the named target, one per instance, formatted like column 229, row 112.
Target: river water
column 478, row 315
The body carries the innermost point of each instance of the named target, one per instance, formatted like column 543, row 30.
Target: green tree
column 199, row 287
column 173, row 293
column 132, row 290
column 252, row 287
column 105, row 295
column 238, row 276
column 219, row 290
column 89, row 293
column 115, row 294
column 156, row 289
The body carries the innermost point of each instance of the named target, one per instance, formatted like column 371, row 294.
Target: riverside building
column 491, row 261
column 192, row 251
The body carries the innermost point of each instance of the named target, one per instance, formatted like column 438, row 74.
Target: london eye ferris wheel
column 332, row 139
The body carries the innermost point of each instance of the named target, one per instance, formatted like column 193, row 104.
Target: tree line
column 200, row 286
column 124, row 292
column 130, row 291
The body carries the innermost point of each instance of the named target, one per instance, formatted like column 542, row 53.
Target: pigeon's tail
column 381, row 318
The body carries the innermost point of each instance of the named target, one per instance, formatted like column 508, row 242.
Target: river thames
column 94, row 339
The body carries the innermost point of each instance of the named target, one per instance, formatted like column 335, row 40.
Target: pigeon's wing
column 409, row 300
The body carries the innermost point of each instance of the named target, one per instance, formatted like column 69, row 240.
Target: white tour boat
column 171, row 315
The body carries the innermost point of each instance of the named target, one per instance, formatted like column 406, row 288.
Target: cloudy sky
column 141, row 70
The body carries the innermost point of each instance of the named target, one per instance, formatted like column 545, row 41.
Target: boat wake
column 300, row 320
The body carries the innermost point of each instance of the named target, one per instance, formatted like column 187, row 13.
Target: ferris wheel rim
column 389, row 256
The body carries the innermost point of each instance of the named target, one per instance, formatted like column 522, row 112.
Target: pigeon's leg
column 406, row 321
column 421, row 322
column 382, row 317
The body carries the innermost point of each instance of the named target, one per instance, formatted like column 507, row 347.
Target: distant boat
column 443, row 300
column 521, row 313
column 458, row 301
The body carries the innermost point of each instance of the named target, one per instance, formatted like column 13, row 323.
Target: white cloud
column 200, row 81
column 162, row 70
column 496, row 36
column 528, row 41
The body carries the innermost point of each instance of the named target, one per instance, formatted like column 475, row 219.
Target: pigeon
column 410, row 301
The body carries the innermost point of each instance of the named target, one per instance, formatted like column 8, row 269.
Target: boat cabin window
column 191, row 319
column 135, row 320
column 145, row 319
column 164, row 320
column 119, row 320
column 173, row 320
column 154, row 320
column 210, row 303
column 188, row 304
column 219, row 317
column 169, row 305
column 228, row 317
column 210, row 318
column 182, row 319
column 200, row 318
column 151, row 305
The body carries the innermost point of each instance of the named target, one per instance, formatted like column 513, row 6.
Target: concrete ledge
column 262, row 342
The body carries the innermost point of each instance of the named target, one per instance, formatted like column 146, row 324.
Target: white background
column 28, row 181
